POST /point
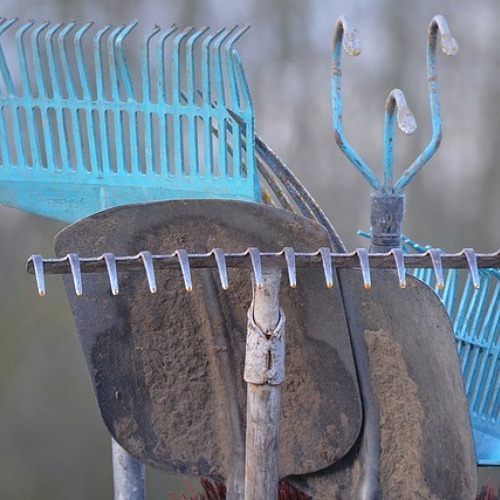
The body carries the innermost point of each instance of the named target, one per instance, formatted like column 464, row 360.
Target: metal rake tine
column 256, row 266
column 110, row 260
column 220, row 259
column 326, row 258
column 289, row 253
column 39, row 273
column 407, row 125
column 345, row 36
column 182, row 255
column 449, row 47
column 364, row 263
column 438, row 267
column 147, row 260
column 472, row 262
column 400, row 266
column 76, row 272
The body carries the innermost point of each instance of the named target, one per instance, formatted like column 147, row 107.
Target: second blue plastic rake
column 475, row 313
column 83, row 136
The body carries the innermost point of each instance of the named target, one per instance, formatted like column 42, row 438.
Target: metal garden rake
column 324, row 258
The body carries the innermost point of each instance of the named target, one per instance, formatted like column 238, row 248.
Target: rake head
column 80, row 133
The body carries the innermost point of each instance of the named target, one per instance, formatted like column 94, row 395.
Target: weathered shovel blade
column 426, row 447
column 167, row 369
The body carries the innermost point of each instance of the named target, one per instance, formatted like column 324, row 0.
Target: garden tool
column 74, row 141
column 410, row 328
column 472, row 304
column 360, row 471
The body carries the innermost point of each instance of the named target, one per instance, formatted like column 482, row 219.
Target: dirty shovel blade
column 425, row 447
column 167, row 369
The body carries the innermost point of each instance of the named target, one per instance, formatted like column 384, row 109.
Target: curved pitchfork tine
column 346, row 36
column 407, row 125
column 449, row 47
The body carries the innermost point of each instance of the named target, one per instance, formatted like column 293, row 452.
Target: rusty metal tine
column 364, row 263
column 147, row 260
column 289, row 253
column 182, row 255
column 220, row 259
column 326, row 258
column 39, row 273
column 472, row 262
column 256, row 265
column 400, row 266
column 76, row 272
column 110, row 260
column 438, row 267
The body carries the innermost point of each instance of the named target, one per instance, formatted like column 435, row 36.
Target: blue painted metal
column 345, row 35
column 76, row 138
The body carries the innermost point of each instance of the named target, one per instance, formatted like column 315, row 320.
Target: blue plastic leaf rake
column 473, row 306
column 76, row 141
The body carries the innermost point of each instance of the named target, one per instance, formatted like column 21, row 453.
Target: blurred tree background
column 52, row 442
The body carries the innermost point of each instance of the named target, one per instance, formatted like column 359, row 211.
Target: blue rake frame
column 75, row 142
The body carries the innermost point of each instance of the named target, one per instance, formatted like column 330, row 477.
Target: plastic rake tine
column 289, row 253
column 449, row 46
column 364, row 263
column 326, row 258
column 400, row 266
column 147, row 260
column 39, row 274
column 220, row 259
column 256, row 266
column 76, row 272
column 472, row 262
column 182, row 255
column 110, row 260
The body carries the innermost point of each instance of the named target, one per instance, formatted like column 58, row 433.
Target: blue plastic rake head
column 475, row 313
column 80, row 134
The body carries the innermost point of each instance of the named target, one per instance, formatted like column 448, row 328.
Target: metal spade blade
column 167, row 369
column 425, row 446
